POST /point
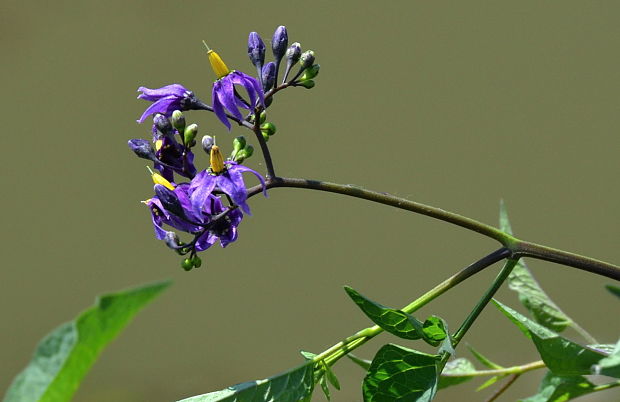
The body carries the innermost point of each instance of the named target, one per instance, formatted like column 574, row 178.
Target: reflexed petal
column 226, row 95
column 162, row 106
column 177, row 90
column 229, row 237
column 218, row 108
column 232, row 184
column 241, row 168
column 238, row 78
column 205, row 241
column 201, row 187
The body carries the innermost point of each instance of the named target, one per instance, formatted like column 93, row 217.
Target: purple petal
column 232, row 184
column 218, row 109
column 202, row 185
column 229, row 237
column 241, row 168
column 227, row 96
column 205, row 241
column 161, row 106
column 177, row 90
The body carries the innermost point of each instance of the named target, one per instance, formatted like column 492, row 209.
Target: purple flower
column 229, row 181
column 189, row 222
column 174, row 157
column 165, row 100
column 225, row 229
column 173, row 208
column 225, row 99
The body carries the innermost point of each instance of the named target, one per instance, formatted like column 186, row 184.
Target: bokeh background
column 455, row 104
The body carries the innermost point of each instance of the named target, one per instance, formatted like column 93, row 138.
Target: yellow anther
column 159, row 179
column 218, row 66
column 216, row 159
column 158, row 144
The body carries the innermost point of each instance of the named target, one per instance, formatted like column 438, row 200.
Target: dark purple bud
column 142, row 148
column 279, row 42
column 269, row 75
column 169, row 200
column 307, row 59
column 256, row 49
column 293, row 53
column 162, row 124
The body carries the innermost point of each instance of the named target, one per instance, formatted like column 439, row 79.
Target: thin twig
column 504, row 387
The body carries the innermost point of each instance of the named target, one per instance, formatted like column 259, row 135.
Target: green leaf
column 393, row 321
column 331, row 377
column 64, row 356
column 613, row 289
column 363, row 363
column 562, row 356
column 482, row 359
column 401, row 374
column 434, row 329
column 324, row 387
column 555, row 388
column 291, row 386
column 530, row 293
column 610, row 365
column 308, row 355
column 456, row 372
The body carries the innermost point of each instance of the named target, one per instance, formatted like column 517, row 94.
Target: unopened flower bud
column 142, row 148
column 311, row 72
column 269, row 75
column 244, row 154
column 256, row 49
column 268, row 128
column 307, row 84
column 189, row 134
column 187, row 264
column 216, row 159
column 293, row 53
column 307, row 59
column 265, row 136
column 207, row 142
column 178, row 120
column 239, row 143
column 279, row 42
column 172, row 240
column 162, row 124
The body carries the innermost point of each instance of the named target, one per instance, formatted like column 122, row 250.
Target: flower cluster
column 209, row 204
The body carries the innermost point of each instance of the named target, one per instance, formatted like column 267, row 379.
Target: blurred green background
column 454, row 104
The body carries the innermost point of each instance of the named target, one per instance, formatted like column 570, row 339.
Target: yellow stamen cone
column 159, row 179
column 218, row 66
column 217, row 160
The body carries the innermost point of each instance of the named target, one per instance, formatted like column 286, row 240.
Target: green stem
column 524, row 368
column 518, row 247
column 333, row 354
column 606, row 386
column 488, row 295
